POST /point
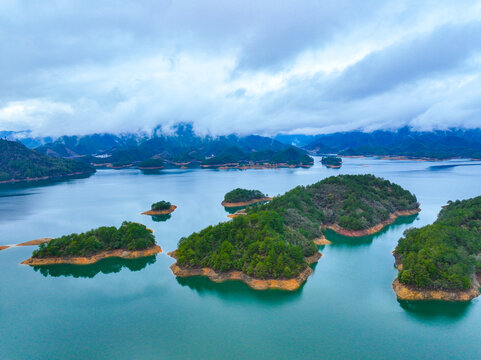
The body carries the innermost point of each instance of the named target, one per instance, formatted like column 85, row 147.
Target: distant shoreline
column 53, row 177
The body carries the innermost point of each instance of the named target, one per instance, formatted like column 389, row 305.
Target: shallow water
column 120, row 309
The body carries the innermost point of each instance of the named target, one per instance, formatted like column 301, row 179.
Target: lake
column 137, row 309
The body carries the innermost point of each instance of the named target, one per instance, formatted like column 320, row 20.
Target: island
column 243, row 197
column 160, row 208
column 442, row 261
column 151, row 164
column 272, row 245
column 131, row 240
column 20, row 164
column 333, row 162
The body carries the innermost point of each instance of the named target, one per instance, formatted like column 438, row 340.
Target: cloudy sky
column 78, row 67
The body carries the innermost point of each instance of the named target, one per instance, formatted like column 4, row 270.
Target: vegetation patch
column 161, row 205
column 129, row 236
column 243, row 195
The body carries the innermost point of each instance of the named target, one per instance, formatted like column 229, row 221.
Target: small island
column 333, row 162
column 151, row 164
column 242, row 197
column 441, row 261
column 131, row 240
column 273, row 245
column 160, row 208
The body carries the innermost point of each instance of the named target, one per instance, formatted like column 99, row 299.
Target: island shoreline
column 374, row 229
column 87, row 260
column 160, row 212
column 291, row 284
column 245, row 203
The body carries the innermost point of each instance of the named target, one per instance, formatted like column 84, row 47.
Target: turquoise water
column 120, row 309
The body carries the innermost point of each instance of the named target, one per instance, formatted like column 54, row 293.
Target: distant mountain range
column 183, row 147
column 404, row 142
column 18, row 163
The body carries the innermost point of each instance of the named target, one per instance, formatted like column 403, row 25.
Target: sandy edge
column 120, row 253
column 245, row 203
column 256, row 284
column 375, row 228
column 160, row 212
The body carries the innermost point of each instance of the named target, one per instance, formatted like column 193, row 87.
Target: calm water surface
column 119, row 309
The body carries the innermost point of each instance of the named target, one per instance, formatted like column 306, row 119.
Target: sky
column 264, row 67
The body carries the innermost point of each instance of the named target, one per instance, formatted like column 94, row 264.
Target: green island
column 151, row 163
column 273, row 244
column 130, row 240
column 331, row 161
column 442, row 261
column 160, row 208
column 243, row 197
column 18, row 163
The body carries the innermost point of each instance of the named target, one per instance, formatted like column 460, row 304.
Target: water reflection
column 238, row 292
column 341, row 240
column 105, row 266
column 436, row 310
column 232, row 210
column 160, row 218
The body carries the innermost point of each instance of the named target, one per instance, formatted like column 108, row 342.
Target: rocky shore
column 256, row 284
column 404, row 292
column 322, row 241
column 375, row 228
column 160, row 212
column 245, row 203
column 85, row 260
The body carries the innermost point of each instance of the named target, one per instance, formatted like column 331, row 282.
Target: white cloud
column 261, row 67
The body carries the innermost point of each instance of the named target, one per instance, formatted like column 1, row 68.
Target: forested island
column 243, row 197
column 442, row 261
column 334, row 162
column 272, row 245
column 130, row 240
column 160, row 208
column 18, row 163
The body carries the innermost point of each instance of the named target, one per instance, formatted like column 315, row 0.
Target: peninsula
column 160, row 208
column 441, row 261
column 242, row 197
column 131, row 240
column 272, row 245
column 19, row 164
